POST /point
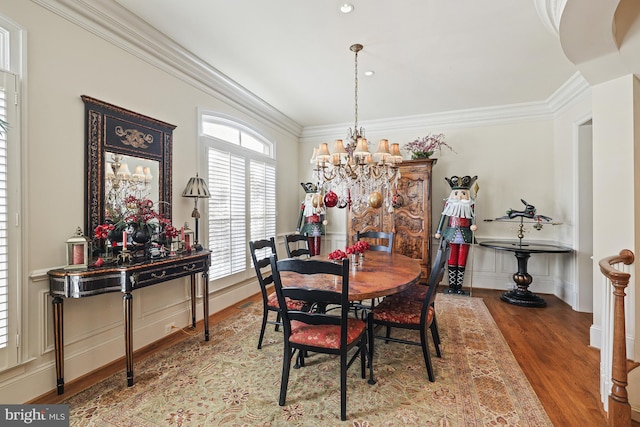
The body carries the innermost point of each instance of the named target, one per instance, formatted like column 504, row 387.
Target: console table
column 521, row 295
column 124, row 278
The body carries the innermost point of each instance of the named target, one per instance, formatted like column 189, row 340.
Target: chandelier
column 357, row 177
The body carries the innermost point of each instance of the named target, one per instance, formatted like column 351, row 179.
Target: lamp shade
column 196, row 187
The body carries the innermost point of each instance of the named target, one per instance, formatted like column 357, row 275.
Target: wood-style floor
column 551, row 345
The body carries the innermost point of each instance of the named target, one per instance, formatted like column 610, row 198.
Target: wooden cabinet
column 411, row 223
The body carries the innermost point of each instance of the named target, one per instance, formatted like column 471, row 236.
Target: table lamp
column 196, row 188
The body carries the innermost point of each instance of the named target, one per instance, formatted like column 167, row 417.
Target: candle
column 124, row 240
column 182, row 233
column 78, row 254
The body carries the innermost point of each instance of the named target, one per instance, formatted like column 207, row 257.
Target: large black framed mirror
column 126, row 154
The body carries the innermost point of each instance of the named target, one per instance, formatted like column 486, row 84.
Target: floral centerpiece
column 139, row 217
column 337, row 255
column 423, row 148
column 358, row 248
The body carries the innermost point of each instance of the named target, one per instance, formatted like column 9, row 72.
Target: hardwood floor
column 551, row 345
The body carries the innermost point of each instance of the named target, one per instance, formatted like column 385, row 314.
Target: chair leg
column 286, row 366
column 424, row 342
column 371, row 340
column 278, row 319
column 265, row 314
column 343, row 386
column 369, row 356
column 436, row 335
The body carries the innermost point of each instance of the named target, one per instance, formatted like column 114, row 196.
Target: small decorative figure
column 311, row 221
column 459, row 209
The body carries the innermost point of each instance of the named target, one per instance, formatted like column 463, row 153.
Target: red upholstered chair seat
column 401, row 310
column 325, row 336
column 272, row 301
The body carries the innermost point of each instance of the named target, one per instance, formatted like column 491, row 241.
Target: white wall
column 65, row 61
column 512, row 161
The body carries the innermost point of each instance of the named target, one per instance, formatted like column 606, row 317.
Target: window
column 10, row 197
column 241, row 176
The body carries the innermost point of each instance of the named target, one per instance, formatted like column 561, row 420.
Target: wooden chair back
column 292, row 245
column 376, row 240
column 261, row 250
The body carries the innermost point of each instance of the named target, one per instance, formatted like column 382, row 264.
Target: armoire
column 411, row 222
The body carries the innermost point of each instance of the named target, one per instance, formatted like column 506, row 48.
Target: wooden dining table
column 380, row 274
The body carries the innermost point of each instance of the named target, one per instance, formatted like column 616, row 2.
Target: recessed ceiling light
column 369, row 73
column 346, row 8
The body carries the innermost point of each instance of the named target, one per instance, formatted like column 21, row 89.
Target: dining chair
column 408, row 313
column 261, row 250
column 292, row 245
column 319, row 331
column 378, row 235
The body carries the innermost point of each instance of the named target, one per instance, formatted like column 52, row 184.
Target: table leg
column 205, row 303
column 521, row 295
column 58, row 342
column 127, row 301
column 193, row 300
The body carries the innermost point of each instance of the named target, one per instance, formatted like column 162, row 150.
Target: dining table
column 376, row 275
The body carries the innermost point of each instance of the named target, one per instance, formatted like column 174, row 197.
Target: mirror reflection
column 121, row 182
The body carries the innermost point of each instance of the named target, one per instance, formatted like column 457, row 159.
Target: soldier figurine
column 459, row 208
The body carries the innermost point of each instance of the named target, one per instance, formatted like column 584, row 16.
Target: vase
column 141, row 236
column 421, row 155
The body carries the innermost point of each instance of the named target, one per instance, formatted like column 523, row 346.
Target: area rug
column 228, row 382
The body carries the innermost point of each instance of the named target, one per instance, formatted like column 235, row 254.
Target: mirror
column 127, row 154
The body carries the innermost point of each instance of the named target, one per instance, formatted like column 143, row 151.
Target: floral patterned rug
column 228, row 382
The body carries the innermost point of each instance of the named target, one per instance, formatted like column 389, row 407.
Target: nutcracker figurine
column 459, row 210
column 311, row 221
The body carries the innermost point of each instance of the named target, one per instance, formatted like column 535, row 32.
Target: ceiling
column 429, row 56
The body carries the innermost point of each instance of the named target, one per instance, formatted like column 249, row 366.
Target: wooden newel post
column 619, row 413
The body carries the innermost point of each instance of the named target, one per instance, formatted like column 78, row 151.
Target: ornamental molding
column 110, row 21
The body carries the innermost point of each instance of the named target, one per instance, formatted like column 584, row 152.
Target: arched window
column 241, row 175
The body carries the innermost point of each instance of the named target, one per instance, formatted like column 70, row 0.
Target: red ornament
column 330, row 199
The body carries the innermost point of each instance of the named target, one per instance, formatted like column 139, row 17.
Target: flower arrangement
column 423, row 148
column 337, row 255
column 358, row 248
column 140, row 215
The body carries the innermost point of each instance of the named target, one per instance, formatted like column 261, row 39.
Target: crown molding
column 115, row 24
column 110, row 21
column 572, row 91
column 550, row 12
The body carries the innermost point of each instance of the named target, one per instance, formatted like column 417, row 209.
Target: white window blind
column 262, row 200
column 4, row 270
column 227, row 225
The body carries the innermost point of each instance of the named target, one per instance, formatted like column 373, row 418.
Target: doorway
column 584, row 215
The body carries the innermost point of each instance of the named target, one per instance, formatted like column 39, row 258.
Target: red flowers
column 337, row 255
column 358, row 248
column 102, row 231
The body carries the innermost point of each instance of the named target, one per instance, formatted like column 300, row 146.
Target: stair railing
column 619, row 409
